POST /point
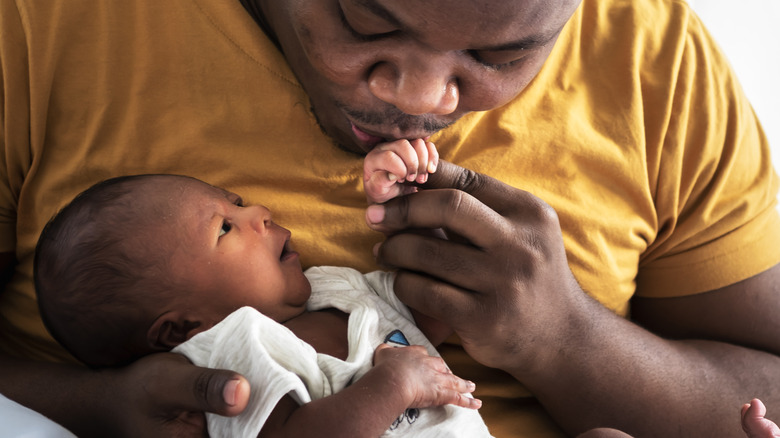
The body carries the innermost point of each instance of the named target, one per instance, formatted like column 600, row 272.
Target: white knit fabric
column 276, row 362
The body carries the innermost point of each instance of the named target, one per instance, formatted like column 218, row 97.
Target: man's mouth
column 370, row 128
column 369, row 140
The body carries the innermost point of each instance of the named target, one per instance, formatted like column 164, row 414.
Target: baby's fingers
column 406, row 160
column 451, row 389
column 458, row 393
column 466, row 401
column 433, row 157
column 387, row 162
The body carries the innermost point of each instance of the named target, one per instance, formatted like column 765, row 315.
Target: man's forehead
column 477, row 24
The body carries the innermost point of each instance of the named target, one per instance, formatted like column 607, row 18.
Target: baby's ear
column 171, row 329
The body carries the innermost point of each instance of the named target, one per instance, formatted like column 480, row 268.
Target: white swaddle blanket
column 277, row 363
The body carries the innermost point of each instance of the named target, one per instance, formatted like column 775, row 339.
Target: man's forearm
column 614, row 373
column 67, row 394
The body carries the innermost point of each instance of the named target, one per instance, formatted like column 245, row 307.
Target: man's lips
column 370, row 140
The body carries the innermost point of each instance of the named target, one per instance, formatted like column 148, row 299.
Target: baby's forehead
column 190, row 198
column 163, row 201
column 174, row 186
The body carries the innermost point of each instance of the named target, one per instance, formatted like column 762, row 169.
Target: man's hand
column 164, row 395
column 503, row 284
column 161, row 395
column 505, row 287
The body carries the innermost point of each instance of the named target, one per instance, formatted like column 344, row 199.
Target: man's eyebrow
column 526, row 43
column 380, row 11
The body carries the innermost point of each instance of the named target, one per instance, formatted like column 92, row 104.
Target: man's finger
column 192, row 388
column 460, row 264
column 452, row 210
column 442, row 301
column 490, row 191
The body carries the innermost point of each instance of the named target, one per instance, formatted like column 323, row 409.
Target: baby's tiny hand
column 754, row 421
column 388, row 167
column 425, row 379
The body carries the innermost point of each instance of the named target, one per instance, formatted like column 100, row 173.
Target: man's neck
column 256, row 12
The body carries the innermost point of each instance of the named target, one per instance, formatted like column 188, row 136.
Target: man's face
column 379, row 70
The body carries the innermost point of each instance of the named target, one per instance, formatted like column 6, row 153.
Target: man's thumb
column 221, row 392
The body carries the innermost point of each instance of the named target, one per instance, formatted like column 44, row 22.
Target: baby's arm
column 389, row 166
column 402, row 378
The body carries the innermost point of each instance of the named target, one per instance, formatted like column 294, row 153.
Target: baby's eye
column 225, row 229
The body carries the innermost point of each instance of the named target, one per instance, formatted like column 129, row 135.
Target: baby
column 142, row 264
column 754, row 422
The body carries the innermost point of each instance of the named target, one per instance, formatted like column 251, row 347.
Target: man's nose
column 416, row 85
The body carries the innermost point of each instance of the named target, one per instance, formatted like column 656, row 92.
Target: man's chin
column 346, row 143
column 339, row 138
column 351, row 149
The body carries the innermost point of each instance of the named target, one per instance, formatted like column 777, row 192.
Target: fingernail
column 431, row 167
column 375, row 213
column 229, row 392
column 472, row 386
column 375, row 250
column 391, row 176
column 411, row 177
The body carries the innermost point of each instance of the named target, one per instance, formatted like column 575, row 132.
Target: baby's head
column 139, row 264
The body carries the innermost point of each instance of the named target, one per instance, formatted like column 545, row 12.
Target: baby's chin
column 288, row 314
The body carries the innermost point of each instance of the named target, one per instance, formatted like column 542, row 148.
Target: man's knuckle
column 403, row 207
column 468, row 180
column 453, row 201
column 205, row 389
column 541, row 211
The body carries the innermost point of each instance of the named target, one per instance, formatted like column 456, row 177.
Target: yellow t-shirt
column 635, row 131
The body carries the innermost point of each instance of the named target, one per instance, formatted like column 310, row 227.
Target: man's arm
column 509, row 294
column 698, row 358
column 161, row 395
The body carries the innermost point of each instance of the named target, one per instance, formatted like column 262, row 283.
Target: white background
column 748, row 31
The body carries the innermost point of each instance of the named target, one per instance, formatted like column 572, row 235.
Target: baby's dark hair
column 95, row 273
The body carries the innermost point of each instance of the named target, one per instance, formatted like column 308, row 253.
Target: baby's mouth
column 287, row 251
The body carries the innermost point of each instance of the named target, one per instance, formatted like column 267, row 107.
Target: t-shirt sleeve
column 712, row 179
column 14, row 120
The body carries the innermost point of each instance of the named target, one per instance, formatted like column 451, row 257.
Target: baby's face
column 230, row 255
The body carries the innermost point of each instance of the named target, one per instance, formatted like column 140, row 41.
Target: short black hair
column 92, row 273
